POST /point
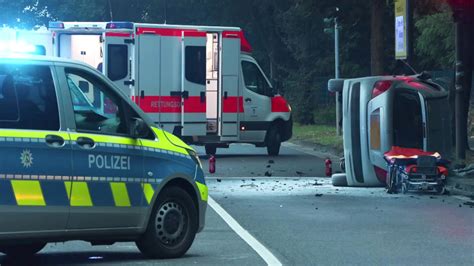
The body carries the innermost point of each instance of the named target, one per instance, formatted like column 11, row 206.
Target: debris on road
column 469, row 203
column 268, row 173
column 299, row 173
column 318, row 195
column 271, row 161
column 251, row 185
column 219, row 180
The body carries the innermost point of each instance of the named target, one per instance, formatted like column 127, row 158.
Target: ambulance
column 198, row 82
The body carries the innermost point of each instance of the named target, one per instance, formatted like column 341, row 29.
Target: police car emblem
column 26, row 158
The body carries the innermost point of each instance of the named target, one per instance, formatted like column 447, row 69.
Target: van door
column 193, row 84
column 117, row 65
column 148, row 75
column 35, row 151
column 231, row 104
column 106, row 191
column 257, row 102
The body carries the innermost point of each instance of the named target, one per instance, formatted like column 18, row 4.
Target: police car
column 80, row 161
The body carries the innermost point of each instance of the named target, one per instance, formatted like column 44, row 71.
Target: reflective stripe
column 120, row 194
column 28, row 193
column 80, row 194
column 203, row 191
column 149, row 192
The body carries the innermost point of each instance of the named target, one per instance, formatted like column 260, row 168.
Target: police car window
column 254, row 79
column 98, row 110
column 195, row 64
column 117, row 62
column 27, row 98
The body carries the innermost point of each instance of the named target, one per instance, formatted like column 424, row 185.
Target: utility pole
column 332, row 26
column 463, row 11
column 336, row 60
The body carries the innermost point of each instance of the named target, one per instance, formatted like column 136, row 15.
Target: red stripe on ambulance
column 171, row 32
column 170, row 104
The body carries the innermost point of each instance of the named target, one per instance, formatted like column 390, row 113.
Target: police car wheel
column 24, row 250
column 273, row 141
column 172, row 227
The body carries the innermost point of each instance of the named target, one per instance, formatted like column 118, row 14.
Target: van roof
column 38, row 58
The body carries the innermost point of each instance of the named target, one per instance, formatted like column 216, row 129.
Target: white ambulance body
column 199, row 82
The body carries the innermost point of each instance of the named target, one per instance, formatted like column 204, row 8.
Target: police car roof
column 39, row 58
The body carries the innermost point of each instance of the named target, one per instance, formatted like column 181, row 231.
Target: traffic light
column 331, row 20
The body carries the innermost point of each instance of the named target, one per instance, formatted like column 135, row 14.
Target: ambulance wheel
column 273, row 141
column 172, row 227
column 210, row 149
column 25, row 250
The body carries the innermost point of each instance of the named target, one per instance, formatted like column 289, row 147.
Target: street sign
column 401, row 36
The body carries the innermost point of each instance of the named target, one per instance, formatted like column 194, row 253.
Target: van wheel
column 273, row 141
column 26, row 250
column 210, row 149
column 172, row 227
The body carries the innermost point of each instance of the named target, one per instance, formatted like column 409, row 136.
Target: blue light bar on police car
column 56, row 25
column 119, row 25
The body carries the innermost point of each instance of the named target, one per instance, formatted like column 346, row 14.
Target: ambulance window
column 375, row 138
column 254, row 79
column 28, row 98
column 195, row 64
column 117, row 62
column 100, row 111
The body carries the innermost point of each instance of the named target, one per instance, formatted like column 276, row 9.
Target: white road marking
column 264, row 253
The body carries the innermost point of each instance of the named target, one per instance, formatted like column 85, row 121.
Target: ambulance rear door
column 118, row 59
column 193, row 83
column 231, row 104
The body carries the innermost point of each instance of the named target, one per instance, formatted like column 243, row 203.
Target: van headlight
column 195, row 157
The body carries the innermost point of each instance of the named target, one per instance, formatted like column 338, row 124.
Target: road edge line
column 261, row 250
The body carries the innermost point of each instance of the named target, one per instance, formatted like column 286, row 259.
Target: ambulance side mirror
column 138, row 128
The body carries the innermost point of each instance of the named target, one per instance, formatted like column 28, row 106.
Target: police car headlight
column 195, row 157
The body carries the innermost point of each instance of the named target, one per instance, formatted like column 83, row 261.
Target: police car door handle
column 85, row 143
column 54, row 141
column 248, row 100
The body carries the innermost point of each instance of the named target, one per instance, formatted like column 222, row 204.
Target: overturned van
column 381, row 112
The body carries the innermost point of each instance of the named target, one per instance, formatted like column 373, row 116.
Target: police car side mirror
column 138, row 128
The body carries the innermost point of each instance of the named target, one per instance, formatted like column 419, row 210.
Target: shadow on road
column 80, row 258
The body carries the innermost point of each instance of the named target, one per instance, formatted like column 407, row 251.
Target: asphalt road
column 244, row 160
column 302, row 220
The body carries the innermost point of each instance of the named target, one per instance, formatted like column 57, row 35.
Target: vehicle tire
column 172, row 226
column 339, row 180
column 23, row 250
column 273, row 141
column 440, row 189
column 210, row 149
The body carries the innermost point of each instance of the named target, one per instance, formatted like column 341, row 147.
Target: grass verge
column 318, row 134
